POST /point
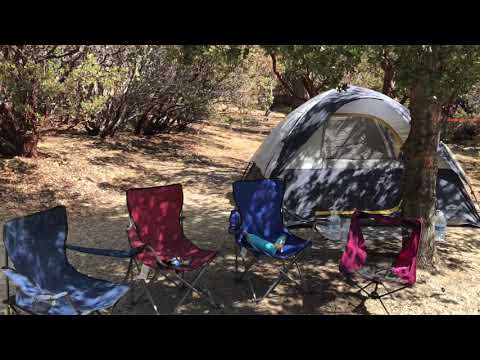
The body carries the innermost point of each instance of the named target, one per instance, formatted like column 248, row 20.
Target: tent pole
column 247, row 169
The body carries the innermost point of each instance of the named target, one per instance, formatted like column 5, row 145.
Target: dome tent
column 341, row 151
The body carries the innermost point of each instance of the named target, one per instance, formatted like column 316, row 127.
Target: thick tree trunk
column 19, row 145
column 388, row 74
column 141, row 124
column 298, row 92
column 420, row 177
column 15, row 141
column 306, row 88
column 30, row 146
column 388, row 81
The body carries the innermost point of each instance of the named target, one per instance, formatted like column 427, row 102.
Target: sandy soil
column 90, row 177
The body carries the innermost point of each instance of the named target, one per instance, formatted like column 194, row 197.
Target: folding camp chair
column 156, row 232
column 259, row 212
column 46, row 282
column 156, row 236
column 403, row 272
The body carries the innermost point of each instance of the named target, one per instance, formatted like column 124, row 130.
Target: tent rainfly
column 341, row 150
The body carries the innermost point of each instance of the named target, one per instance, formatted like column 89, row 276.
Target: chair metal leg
column 375, row 295
column 394, row 291
column 180, row 283
column 149, row 295
column 129, row 270
column 272, row 287
column 246, row 269
column 7, row 281
column 384, row 307
column 283, row 273
column 250, row 281
column 305, row 284
column 252, row 289
column 146, row 290
column 300, row 284
column 136, row 264
column 190, row 287
column 9, row 308
column 167, row 277
column 236, row 258
column 386, row 289
column 363, row 288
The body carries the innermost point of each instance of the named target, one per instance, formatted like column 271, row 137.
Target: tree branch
column 281, row 79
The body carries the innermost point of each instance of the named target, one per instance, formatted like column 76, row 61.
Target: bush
column 461, row 130
column 253, row 81
column 28, row 89
column 165, row 88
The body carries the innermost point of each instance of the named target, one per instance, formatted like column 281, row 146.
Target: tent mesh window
column 358, row 137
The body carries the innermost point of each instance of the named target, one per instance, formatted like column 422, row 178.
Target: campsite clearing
column 90, row 178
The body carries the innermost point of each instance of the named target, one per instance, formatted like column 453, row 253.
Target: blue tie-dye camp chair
column 46, row 283
column 258, row 212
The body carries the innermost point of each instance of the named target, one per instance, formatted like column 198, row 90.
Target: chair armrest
column 104, row 252
column 30, row 289
column 157, row 258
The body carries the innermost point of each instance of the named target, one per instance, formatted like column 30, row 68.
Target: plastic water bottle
column 440, row 226
column 334, row 226
column 345, row 228
column 280, row 243
column 176, row 262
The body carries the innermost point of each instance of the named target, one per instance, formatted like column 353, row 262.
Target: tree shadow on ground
column 193, row 171
column 207, row 184
column 206, row 226
column 459, row 242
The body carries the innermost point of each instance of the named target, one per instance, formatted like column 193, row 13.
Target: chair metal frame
column 283, row 273
column 179, row 281
column 378, row 278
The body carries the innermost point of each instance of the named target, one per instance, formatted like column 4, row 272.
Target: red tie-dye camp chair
column 156, row 232
column 404, row 269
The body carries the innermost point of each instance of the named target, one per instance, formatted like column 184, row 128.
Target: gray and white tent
column 341, row 151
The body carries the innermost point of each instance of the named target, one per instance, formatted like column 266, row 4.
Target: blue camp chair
column 46, row 282
column 259, row 212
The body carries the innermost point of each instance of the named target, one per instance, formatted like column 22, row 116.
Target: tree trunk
column 30, row 146
column 388, row 81
column 420, row 176
column 140, row 124
column 19, row 145
column 305, row 88
column 297, row 94
column 16, row 141
column 388, row 74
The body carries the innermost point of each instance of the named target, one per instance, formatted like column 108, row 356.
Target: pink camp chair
column 404, row 269
column 156, row 232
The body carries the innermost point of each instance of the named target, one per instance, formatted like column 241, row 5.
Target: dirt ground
column 90, row 178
